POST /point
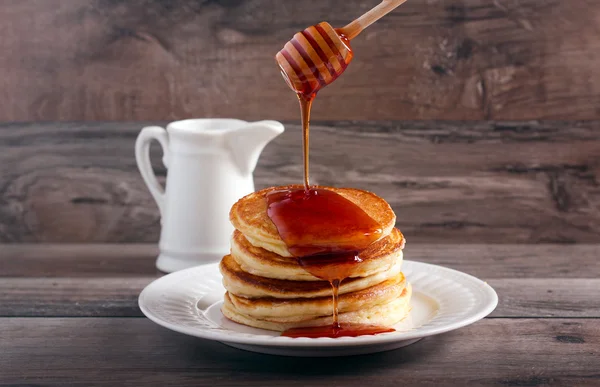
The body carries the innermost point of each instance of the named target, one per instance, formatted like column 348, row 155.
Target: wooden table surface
column 69, row 315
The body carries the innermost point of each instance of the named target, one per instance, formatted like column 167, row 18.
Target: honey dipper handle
column 356, row 27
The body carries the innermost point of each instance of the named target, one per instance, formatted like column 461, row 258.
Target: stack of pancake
column 267, row 288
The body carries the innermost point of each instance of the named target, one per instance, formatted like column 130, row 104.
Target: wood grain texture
column 68, row 297
column 129, row 351
column 117, row 297
column 542, row 297
column 556, row 283
column 480, row 182
column 78, row 261
column 154, row 59
column 137, row 261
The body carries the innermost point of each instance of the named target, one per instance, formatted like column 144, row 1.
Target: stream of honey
column 323, row 230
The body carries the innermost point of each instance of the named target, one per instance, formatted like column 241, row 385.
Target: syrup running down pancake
column 305, row 307
column 269, row 288
column 326, row 233
column 379, row 256
column 382, row 315
column 244, row 284
column 249, row 216
column 325, row 229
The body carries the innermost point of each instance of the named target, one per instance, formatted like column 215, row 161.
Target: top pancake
column 249, row 216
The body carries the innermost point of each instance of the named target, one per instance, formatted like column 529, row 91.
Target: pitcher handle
column 142, row 157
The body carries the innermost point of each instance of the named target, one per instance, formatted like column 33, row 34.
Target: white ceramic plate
column 189, row 301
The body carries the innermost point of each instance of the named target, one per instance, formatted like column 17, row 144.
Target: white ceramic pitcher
column 209, row 167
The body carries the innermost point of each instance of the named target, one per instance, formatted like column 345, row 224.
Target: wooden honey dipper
column 318, row 55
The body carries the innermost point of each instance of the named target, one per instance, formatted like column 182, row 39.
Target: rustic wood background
column 68, row 60
column 488, row 179
column 448, row 182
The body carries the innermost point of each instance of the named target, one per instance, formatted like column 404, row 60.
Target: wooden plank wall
column 497, row 64
column 66, row 60
column 448, row 182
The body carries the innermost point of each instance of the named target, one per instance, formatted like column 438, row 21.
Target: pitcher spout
column 247, row 142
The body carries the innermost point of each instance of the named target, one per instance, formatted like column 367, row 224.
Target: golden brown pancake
column 386, row 314
column 268, row 288
column 292, row 309
column 249, row 216
column 239, row 282
column 379, row 256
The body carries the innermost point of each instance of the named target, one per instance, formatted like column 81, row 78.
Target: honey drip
column 305, row 105
column 326, row 233
column 323, row 230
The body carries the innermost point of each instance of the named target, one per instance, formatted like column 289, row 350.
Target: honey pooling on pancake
column 268, row 288
column 326, row 232
column 323, row 230
column 320, row 221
